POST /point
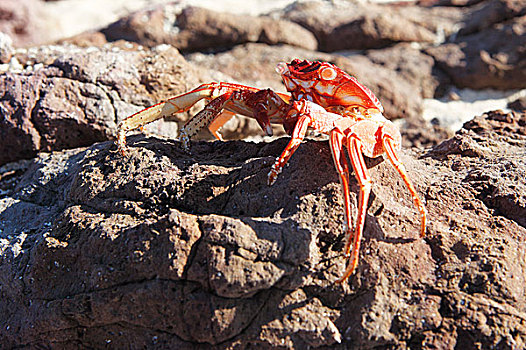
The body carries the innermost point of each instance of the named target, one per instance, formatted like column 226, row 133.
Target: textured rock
column 167, row 249
column 491, row 58
column 353, row 25
column 195, row 29
column 491, row 12
column 518, row 104
column 66, row 97
column 6, row 48
column 417, row 68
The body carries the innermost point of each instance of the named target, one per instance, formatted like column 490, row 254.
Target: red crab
column 323, row 97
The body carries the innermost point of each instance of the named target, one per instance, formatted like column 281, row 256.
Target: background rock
column 489, row 13
column 6, row 48
column 194, row 29
column 18, row 19
column 492, row 58
column 354, row 25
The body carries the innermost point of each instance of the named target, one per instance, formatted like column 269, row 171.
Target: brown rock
column 491, row 12
column 492, row 58
column 6, row 48
column 86, row 39
column 68, row 97
column 17, row 19
column 412, row 65
column 351, row 25
column 443, row 21
column 376, row 31
column 196, row 29
column 449, row 2
column 169, row 249
column 420, row 133
column 518, row 105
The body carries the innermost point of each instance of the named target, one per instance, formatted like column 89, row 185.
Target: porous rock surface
column 194, row 28
column 66, row 96
column 165, row 249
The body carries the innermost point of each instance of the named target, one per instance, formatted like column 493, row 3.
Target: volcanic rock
column 491, row 58
column 162, row 248
column 17, row 19
column 357, row 26
column 66, row 97
column 194, row 28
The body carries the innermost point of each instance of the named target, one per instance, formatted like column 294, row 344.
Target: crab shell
column 327, row 85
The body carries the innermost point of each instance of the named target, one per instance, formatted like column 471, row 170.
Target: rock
column 67, row 97
column 518, row 104
column 449, row 2
column 357, row 26
column 87, row 39
column 420, row 133
column 489, row 13
column 412, row 65
column 169, row 249
column 443, row 21
column 487, row 136
column 18, row 20
column 194, row 28
column 491, row 58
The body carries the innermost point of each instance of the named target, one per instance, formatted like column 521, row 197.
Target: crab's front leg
column 298, row 135
column 160, row 110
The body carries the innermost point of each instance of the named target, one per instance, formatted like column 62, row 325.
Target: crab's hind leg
column 390, row 150
column 354, row 146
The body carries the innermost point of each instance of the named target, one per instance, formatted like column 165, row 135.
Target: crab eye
column 327, row 73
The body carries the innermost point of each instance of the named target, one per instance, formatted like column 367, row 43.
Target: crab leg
column 354, row 146
column 206, row 116
column 297, row 136
column 393, row 157
column 160, row 110
column 340, row 162
column 218, row 122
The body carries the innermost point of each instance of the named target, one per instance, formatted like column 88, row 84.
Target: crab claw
column 265, row 124
column 261, row 115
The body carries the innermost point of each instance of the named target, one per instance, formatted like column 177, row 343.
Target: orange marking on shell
column 328, row 73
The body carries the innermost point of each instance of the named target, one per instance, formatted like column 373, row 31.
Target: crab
column 322, row 97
